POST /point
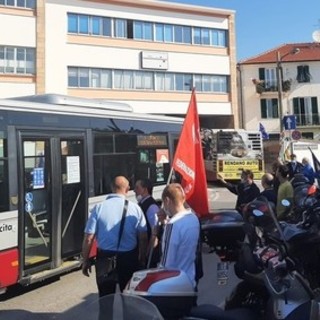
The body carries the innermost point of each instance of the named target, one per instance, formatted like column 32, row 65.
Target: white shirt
column 179, row 243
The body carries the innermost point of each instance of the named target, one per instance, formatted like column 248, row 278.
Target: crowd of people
column 144, row 234
column 277, row 185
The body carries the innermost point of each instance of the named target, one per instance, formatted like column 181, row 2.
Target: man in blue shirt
column 103, row 226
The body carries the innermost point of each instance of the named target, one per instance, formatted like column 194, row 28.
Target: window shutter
column 275, row 109
column 307, row 75
column 296, row 105
column 299, row 74
column 261, row 73
column 314, row 108
column 263, row 107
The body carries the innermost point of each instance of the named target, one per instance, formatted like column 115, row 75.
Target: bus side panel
column 9, row 267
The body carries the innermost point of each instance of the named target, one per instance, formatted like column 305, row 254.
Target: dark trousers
column 127, row 264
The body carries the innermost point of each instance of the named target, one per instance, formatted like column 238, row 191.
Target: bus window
column 135, row 156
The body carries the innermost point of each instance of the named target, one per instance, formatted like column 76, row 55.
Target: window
column 106, row 27
column 120, row 28
column 17, row 60
column 144, row 80
column 83, row 24
column 182, row 34
column 164, row 81
column 84, row 77
column 123, row 79
column 163, row 32
column 306, row 110
column 96, row 25
column 183, row 82
column 106, row 78
column 218, row 38
column 95, row 78
column 303, row 74
column 142, row 30
column 73, row 77
column 269, row 76
column 72, row 23
column 269, row 108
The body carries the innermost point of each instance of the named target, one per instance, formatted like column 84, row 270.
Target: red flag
column 188, row 161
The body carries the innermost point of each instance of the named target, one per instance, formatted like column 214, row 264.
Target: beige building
column 143, row 52
column 291, row 108
column 297, row 66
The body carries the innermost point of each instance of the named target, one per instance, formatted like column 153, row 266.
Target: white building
column 143, row 52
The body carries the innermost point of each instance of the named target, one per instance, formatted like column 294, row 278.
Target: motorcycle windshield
column 119, row 307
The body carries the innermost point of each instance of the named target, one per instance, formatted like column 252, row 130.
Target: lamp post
column 280, row 81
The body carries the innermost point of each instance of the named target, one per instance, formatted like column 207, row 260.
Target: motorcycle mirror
column 257, row 213
column 311, row 190
column 285, row 203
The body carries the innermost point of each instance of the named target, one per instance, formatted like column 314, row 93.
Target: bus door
column 54, row 207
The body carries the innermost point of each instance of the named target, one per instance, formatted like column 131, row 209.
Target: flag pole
column 170, row 176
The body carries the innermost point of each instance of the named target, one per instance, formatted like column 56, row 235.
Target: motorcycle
column 278, row 263
column 284, row 283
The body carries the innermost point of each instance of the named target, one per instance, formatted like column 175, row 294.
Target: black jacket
column 246, row 193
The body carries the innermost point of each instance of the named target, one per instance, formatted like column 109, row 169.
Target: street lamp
column 280, row 81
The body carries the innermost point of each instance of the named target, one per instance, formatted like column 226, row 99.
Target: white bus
column 226, row 152
column 58, row 155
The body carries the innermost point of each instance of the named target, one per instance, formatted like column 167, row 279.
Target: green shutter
column 263, row 107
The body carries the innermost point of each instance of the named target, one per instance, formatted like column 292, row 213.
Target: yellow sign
column 236, row 166
column 237, row 175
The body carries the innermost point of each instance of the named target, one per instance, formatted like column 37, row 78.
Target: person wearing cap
column 246, row 190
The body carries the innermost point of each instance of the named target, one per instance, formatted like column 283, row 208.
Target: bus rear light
column 15, row 263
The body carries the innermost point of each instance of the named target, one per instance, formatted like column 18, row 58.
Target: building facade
column 296, row 67
column 143, row 52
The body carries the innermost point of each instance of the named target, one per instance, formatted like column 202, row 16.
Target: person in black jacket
column 294, row 166
column 246, row 190
column 267, row 181
column 143, row 190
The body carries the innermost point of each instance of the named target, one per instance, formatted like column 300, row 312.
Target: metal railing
column 307, row 119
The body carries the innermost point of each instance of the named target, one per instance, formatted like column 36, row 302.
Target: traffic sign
column 289, row 122
column 296, row 135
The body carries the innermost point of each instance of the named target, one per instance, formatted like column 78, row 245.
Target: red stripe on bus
column 9, row 267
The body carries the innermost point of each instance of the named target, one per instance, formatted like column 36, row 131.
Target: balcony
column 263, row 86
column 307, row 119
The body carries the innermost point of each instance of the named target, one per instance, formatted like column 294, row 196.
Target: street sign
column 296, row 135
column 289, row 122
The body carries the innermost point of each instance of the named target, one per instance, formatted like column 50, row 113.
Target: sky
column 264, row 25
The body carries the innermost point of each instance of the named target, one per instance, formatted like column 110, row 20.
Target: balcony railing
column 307, row 119
column 270, row 86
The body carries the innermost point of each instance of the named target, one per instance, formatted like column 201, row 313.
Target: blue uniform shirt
column 104, row 223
